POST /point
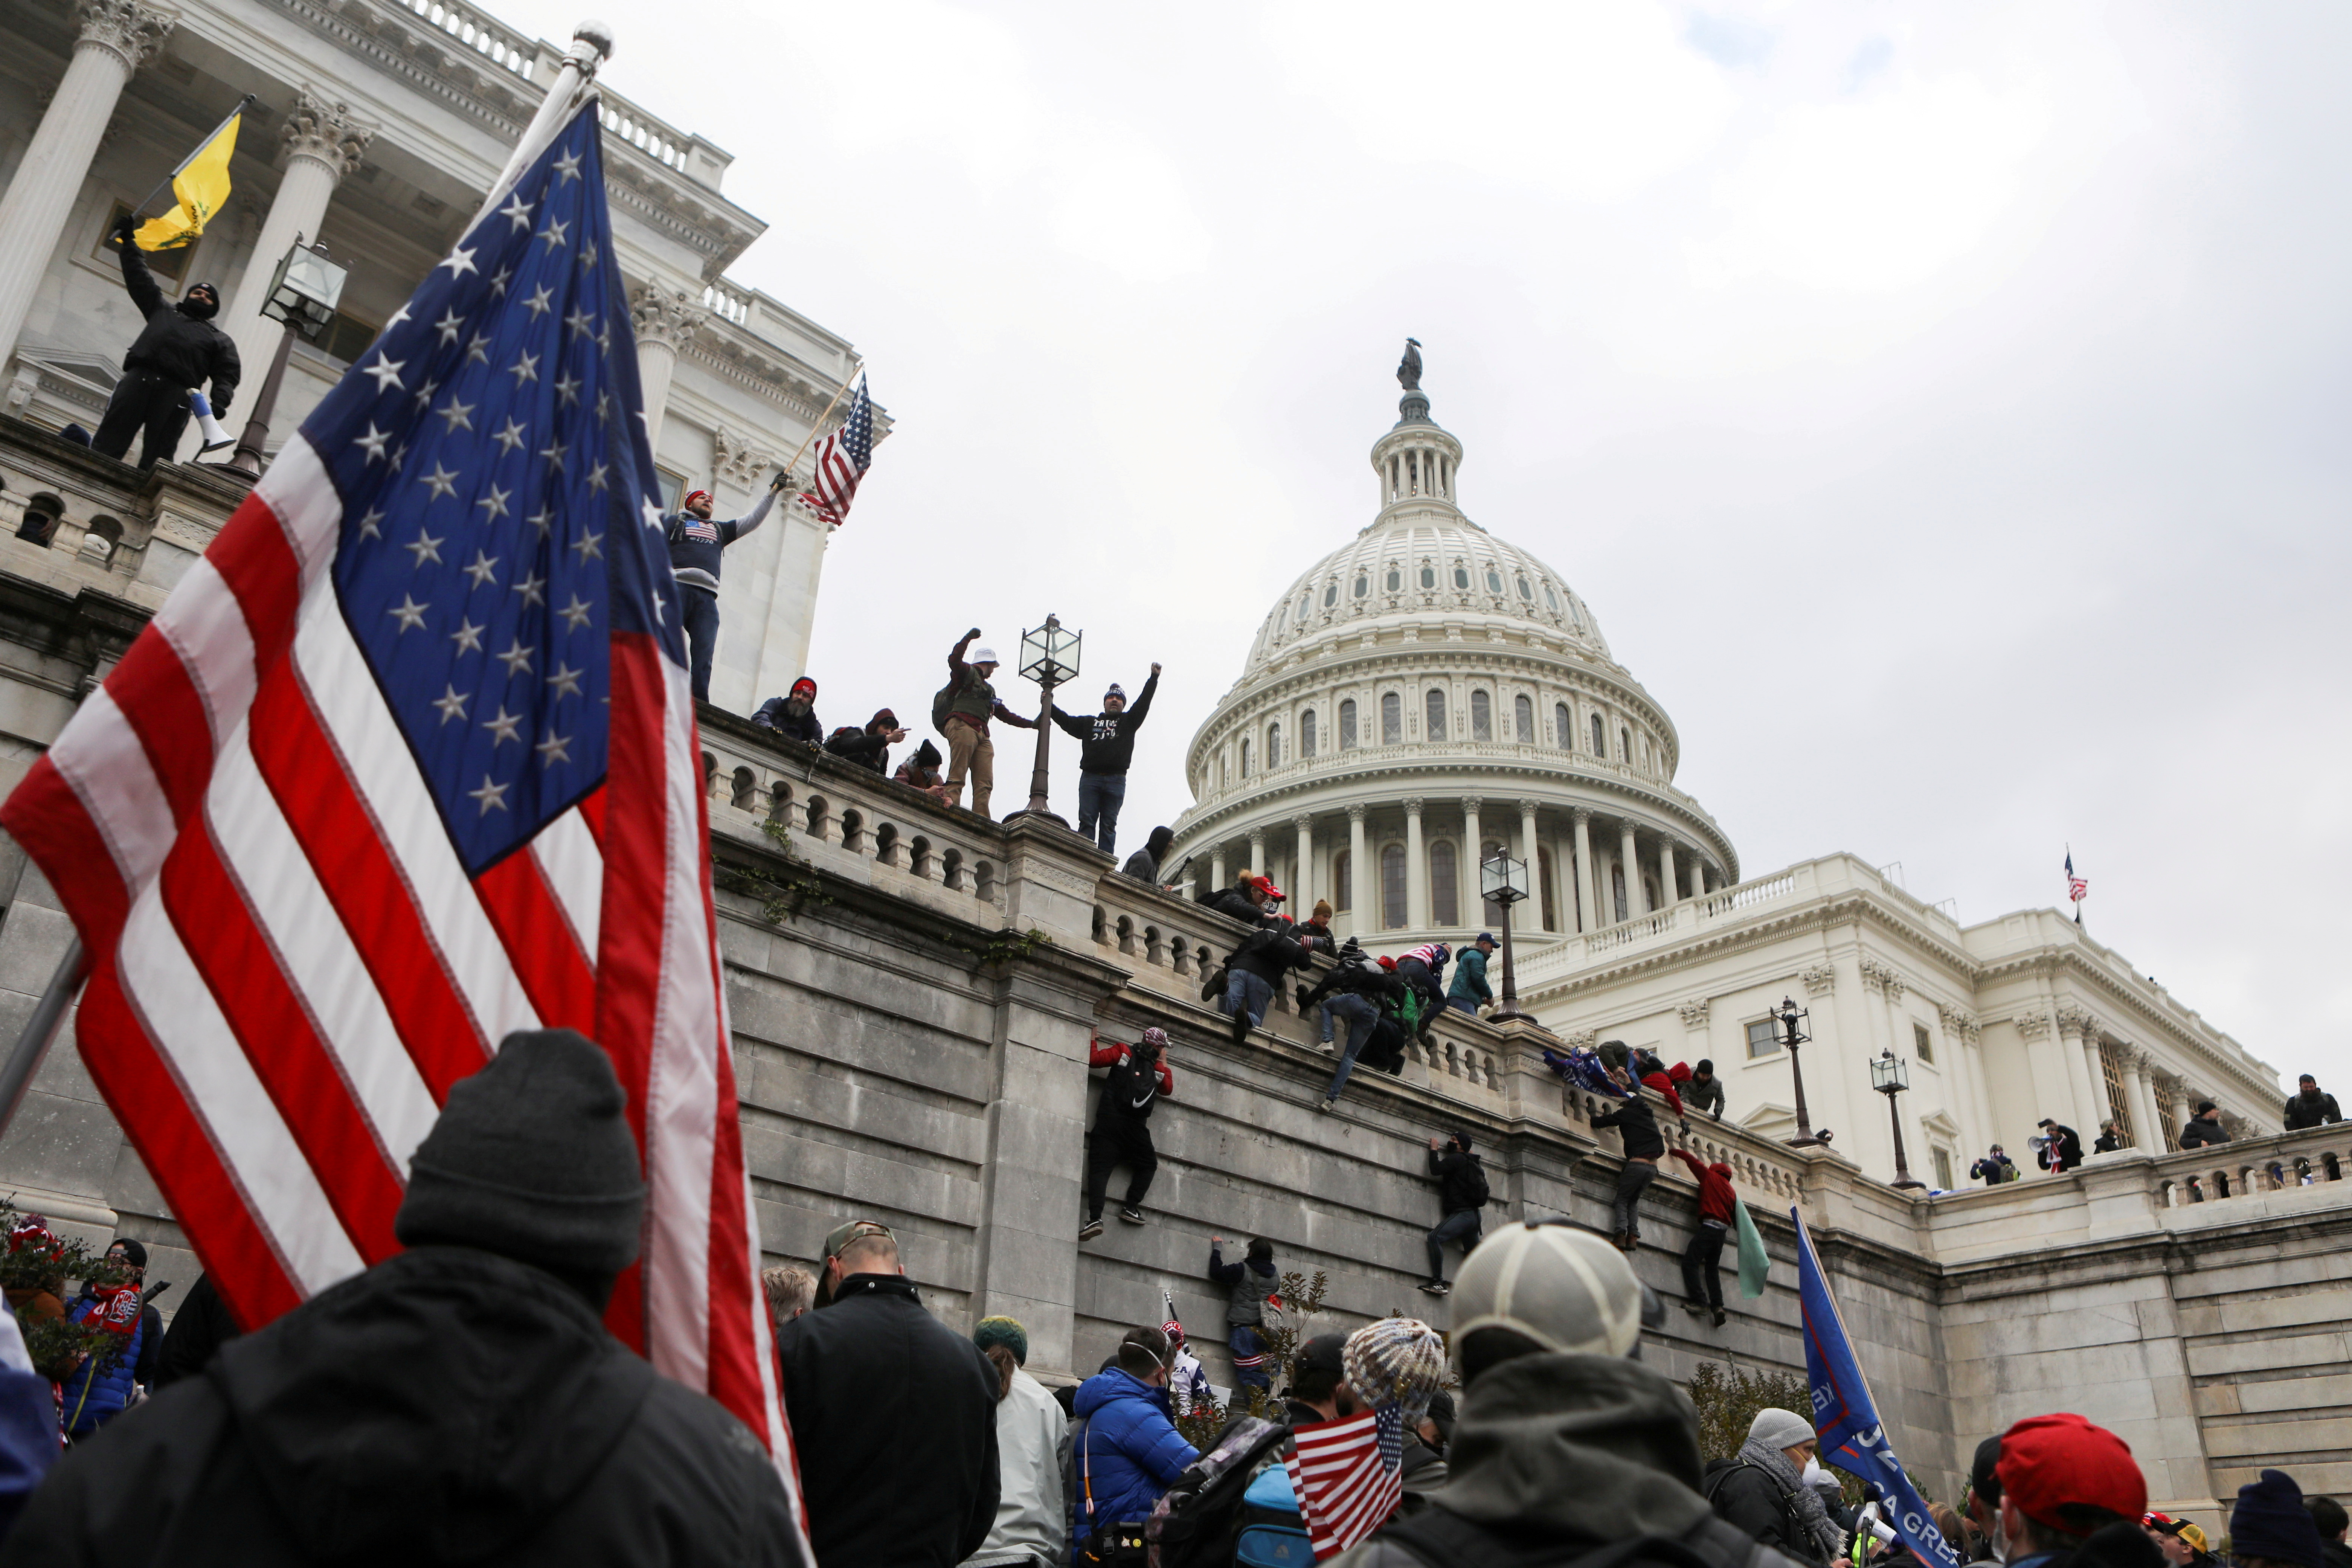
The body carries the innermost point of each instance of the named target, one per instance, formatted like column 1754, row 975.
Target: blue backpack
column 1272, row 1533
column 1206, row 1521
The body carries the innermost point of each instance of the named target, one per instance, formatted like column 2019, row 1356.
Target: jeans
column 1099, row 797
column 699, row 611
column 1244, row 989
column 147, row 405
column 969, row 749
column 1361, row 1015
column 1119, row 1140
column 1703, row 1265
column 1631, row 1181
column 1460, row 1228
column 1249, row 1356
column 1464, row 1004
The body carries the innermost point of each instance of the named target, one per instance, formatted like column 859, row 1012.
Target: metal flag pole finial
column 592, row 46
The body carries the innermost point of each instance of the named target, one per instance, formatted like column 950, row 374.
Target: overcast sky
column 1942, row 408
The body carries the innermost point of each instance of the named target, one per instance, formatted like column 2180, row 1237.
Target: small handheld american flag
column 841, row 461
column 1348, row 1476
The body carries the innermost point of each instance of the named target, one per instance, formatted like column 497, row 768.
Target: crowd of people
column 2058, row 1148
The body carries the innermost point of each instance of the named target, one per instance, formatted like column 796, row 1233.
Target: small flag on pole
column 842, row 459
column 201, row 185
column 2077, row 887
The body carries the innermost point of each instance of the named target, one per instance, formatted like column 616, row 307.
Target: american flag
column 2077, row 887
column 841, row 461
column 406, row 763
column 1348, row 1476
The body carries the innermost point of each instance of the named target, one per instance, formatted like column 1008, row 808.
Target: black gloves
column 125, row 227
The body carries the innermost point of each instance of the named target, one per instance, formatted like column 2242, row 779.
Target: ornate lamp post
column 1890, row 1078
column 1504, row 881
column 1790, row 1021
column 1049, row 656
column 302, row 294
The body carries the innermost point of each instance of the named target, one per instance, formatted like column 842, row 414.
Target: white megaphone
column 215, row 438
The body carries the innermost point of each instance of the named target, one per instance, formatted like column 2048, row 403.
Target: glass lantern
column 1049, row 656
column 305, row 291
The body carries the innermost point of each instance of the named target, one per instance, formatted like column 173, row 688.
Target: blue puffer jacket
column 1130, row 1448
column 89, row 1406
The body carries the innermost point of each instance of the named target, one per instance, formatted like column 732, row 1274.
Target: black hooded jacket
column 1637, row 1124
column 448, row 1405
column 2312, row 1110
column 175, row 344
column 1106, row 740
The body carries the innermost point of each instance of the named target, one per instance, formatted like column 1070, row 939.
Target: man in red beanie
column 2064, row 1482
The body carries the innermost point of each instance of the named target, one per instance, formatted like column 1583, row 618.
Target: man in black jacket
column 894, row 1416
column 1136, row 1078
column 794, row 717
column 2061, row 1148
column 1107, row 747
column 1461, row 1194
column 870, row 746
column 1637, row 1128
column 2204, row 1127
column 2309, row 1108
column 176, row 351
column 1253, row 973
column 461, row 1401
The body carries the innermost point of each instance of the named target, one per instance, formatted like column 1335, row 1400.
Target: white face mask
column 1814, row 1475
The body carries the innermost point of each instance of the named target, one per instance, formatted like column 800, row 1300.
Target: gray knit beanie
column 532, row 1159
column 1779, row 1428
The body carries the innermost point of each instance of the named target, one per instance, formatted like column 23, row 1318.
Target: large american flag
column 407, row 762
column 1348, row 1476
column 841, row 461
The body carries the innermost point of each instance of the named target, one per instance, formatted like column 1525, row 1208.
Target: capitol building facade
column 1429, row 695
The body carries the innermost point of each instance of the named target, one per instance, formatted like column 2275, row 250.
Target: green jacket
column 1470, row 976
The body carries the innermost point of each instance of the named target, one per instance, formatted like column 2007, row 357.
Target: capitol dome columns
column 1360, row 877
column 1530, row 852
column 117, row 37
column 1473, row 851
column 1669, row 894
column 1588, row 885
column 1629, row 863
column 1257, row 851
column 1416, row 869
column 1302, row 869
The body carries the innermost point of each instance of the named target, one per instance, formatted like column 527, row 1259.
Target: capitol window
column 1343, row 893
column 1364, row 587
column 1391, row 718
column 1624, row 744
column 1599, row 746
column 1429, row 576
column 1245, row 745
column 1761, row 1040
column 1304, row 601
column 1494, row 581
column 1563, row 727
column 1396, row 579
column 1274, row 744
column 1444, row 885
column 1922, row 1043
column 1434, row 710
column 1391, row 887
column 1330, row 595
column 1462, row 577
column 1551, row 598
column 1524, row 712
column 1524, row 594
column 1306, row 733
column 1347, row 723
column 1482, row 717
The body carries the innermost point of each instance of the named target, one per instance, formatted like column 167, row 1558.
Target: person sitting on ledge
column 793, row 717
column 869, row 747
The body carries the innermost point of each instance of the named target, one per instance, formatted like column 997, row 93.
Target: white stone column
column 323, row 144
column 117, row 37
column 1669, row 891
column 1629, row 858
column 1257, row 851
column 1302, row 866
column 1416, row 869
column 2147, row 1129
column 1531, row 911
column 1697, row 875
column 1216, row 868
column 2071, row 1023
column 666, row 320
column 1361, row 917
column 1473, row 837
column 1588, row 884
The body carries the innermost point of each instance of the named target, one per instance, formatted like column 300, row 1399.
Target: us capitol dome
column 1426, row 695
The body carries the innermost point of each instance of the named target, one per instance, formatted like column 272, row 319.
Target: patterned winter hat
column 693, row 496
column 1397, row 1361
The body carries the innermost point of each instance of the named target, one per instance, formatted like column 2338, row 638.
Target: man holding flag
column 176, row 353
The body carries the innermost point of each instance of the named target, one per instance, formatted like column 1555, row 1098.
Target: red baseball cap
column 2048, row 1462
column 1266, row 885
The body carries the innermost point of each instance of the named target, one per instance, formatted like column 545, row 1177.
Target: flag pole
column 592, row 45
column 807, row 439
column 214, row 135
column 40, row 1030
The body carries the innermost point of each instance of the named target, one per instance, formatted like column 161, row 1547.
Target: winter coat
column 1747, row 1497
column 1666, row 1085
column 2311, row 1109
column 174, row 345
column 1234, row 904
column 95, row 1395
column 198, row 1330
column 2197, row 1133
column 1033, row 1449
column 1249, row 1284
column 1637, row 1126
column 1130, row 1091
column 1573, row 1448
column 1715, row 1195
column 695, row 545
column 867, row 748
column 1127, row 1454
column 2107, row 1143
column 1470, row 977
column 775, row 715
column 1706, row 1097
column 1107, row 739
column 894, row 1416
column 973, row 701
column 1992, row 1172
column 448, row 1405
column 2064, row 1150
column 1142, row 868
column 1457, row 1177
column 1268, row 955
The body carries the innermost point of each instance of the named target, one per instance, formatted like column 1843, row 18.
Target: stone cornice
column 2050, row 963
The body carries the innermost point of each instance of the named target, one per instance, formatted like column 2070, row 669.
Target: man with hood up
column 1105, row 754
column 1150, row 864
column 461, row 1401
column 1567, row 1443
column 175, row 353
column 2309, row 1107
column 869, row 746
column 793, row 717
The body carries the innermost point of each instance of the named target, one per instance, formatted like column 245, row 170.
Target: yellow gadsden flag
column 201, row 185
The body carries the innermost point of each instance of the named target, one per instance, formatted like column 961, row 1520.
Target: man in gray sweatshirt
column 694, row 543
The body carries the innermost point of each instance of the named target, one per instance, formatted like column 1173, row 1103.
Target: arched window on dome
column 1444, row 884
column 1494, row 581
column 1563, row 727
column 1599, row 746
column 1617, row 887
column 1551, row 598
column 1330, row 595
column 1364, row 585
column 1523, row 710
column 1429, row 576
column 1348, row 724
column 1482, row 716
column 1396, row 579
column 1488, row 907
column 1343, row 886
column 1274, row 745
column 1433, row 711
column 1306, row 602
column 1524, row 594
column 1306, row 733
column 1624, row 744
column 1461, row 577
column 1245, row 759
column 1391, row 718
column 1391, row 887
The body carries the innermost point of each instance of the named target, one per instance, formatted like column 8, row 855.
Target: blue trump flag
column 1846, row 1419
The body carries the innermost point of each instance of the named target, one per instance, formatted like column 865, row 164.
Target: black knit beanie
column 532, row 1159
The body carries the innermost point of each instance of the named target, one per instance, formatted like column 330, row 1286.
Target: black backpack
column 1195, row 1523
column 1446, row 1540
column 940, row 700
column 1474, row 1184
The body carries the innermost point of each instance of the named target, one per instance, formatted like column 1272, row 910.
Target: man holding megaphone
column 176, row 353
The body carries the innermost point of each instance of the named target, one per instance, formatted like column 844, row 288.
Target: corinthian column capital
column 326, row 133
column 130, row 31
column 666, row 316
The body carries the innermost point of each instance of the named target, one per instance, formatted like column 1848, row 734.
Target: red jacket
column 1715, row 1194
column 1664, row 1085
column 1110, row 1053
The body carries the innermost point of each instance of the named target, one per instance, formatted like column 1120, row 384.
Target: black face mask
column 200, row 307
